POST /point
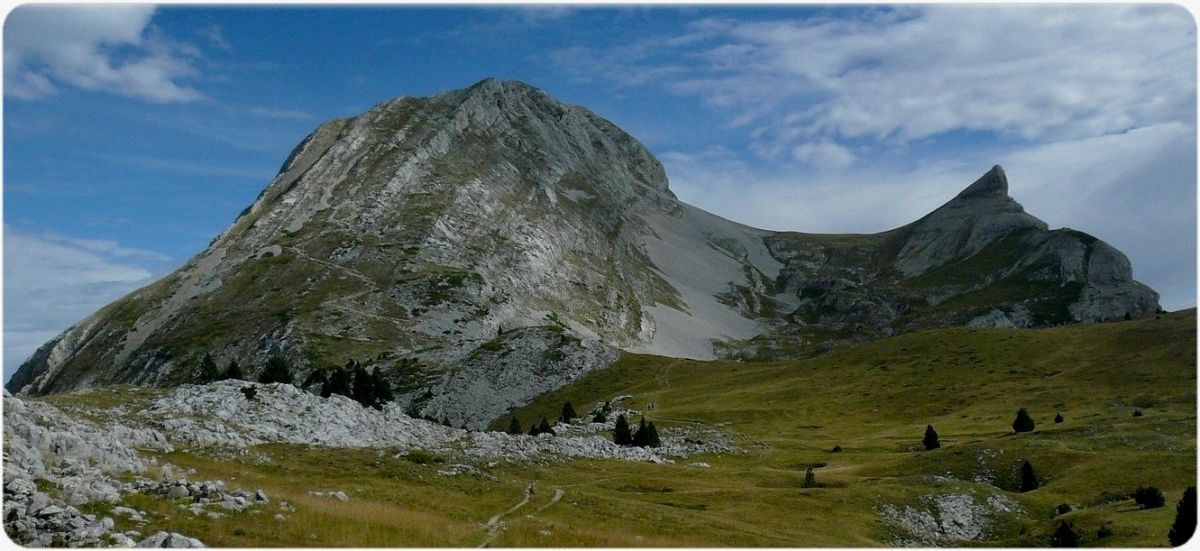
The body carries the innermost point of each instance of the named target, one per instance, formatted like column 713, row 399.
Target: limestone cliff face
column 485, row 245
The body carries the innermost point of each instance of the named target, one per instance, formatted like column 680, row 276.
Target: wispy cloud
column 899, row 75
column 51, row 282
column 286, row 114
column 105, row 48
column 215, row 36
column 182, row 166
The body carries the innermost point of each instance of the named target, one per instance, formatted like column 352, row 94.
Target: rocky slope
column 485, row 245
column 57, row 460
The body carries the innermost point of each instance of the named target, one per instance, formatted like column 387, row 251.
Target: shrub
column 1058, row 418
column 599, row 417
column 810, row 478
column 1104, row 532
column 1149, row 497
column 514, row 426
column 1137, row 413
column 1029, row 479
column 1062, row 509
column 1185, row 519
column 1065, row 536
column 1023, row 422
column 621, row 434
column 568, row 413
column 277, row 371
column 931, row 439
column 250, row 393
column 423, row 457
column 315, row 377
column 836, row 449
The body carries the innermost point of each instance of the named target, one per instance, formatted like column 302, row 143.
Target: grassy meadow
column 873, row 401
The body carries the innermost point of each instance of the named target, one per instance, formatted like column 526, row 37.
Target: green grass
column 873, row 400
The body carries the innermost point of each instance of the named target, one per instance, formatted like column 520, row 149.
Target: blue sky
column 133, row 135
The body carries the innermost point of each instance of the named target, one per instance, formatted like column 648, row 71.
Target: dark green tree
column 363, row 390
column 1137, row 413
column 1185, row 518
column 1023, row 422
column 639, row 436
column 1058, row 418
column 276, row 371
column 234, row 371
column 568, row 413
column 1029, row 479
column 931, row 439
column 339, row 383
column 652, row 440
column 599, row 417
column 208, row 369
column 533, row 430
column 1065, row 536
column 621, row 434
column 514, row 426
column 544, row 427
column 810, row 478
column 1149, row 497
column 383, row 389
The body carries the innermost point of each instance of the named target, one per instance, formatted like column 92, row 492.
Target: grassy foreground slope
column 873, row 400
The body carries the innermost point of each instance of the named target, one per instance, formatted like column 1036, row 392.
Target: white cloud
column 898, row 75
column 107, row 48
column 823, row 154
column 52, row 282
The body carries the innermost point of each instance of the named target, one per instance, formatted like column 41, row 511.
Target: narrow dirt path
column 558, row 494
column 495, row 525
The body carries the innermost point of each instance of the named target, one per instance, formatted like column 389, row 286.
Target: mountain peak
column 992, row 184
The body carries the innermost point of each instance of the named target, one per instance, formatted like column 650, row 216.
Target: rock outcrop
column 485, row 245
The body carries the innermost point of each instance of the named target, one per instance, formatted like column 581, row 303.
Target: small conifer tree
column 1023, row 422
column 810, row 478
column 1029, row 479
column 639, row 436
column 1185, row 519
column 363, row 390
column 652, row 440
column 234, row 371
column 1065, row 536
column 1058, row 418
column 533, row 429
column 514, row 426
column 208, row 369
column 931, row 438
column 276, row 371
column 599, row 417
column 544, row 427
column 568, row 413
column 1137, row 413
column 382, row 388
column 621, row 434
column 339, row 383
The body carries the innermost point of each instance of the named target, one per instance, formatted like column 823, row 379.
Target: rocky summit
column 480, row 247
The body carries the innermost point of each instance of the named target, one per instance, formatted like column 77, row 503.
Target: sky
column 134, row 134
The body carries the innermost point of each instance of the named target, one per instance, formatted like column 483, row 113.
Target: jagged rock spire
column 993, row 183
